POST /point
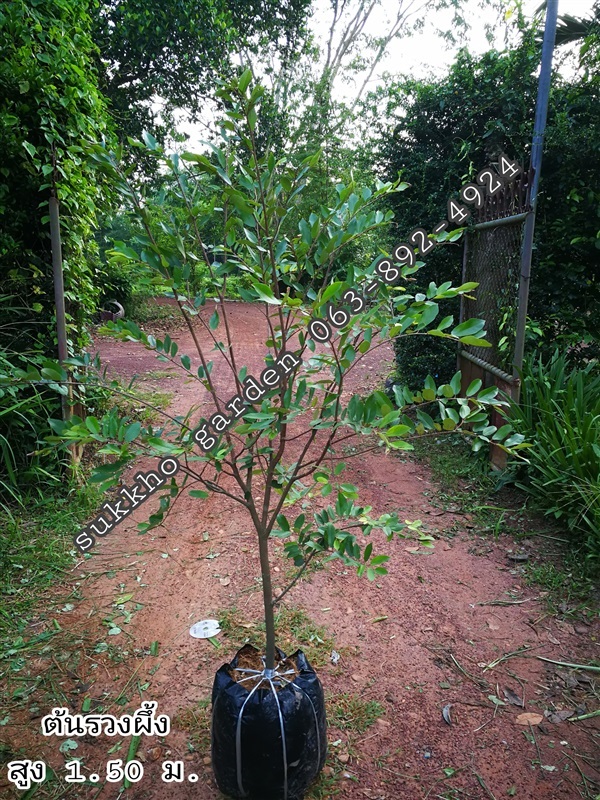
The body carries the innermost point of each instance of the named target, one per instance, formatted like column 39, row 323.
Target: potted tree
column 274, row 439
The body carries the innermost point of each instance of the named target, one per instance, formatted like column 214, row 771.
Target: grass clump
column 195, row 721
column 36, row 550
column 294, row 629
column 142, row 403
column 559, row 414
column 146, row 310
column 349, row 712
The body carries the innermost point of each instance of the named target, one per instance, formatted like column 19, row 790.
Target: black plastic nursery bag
column 268, row 744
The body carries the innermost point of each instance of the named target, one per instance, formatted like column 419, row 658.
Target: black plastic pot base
column 269, row 733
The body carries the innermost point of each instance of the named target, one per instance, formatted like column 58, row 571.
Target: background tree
column 446, row 129
column 169, row 54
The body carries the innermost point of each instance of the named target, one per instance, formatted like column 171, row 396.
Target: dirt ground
column 422, row 641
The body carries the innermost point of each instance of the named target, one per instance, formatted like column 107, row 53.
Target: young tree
column 277, row 438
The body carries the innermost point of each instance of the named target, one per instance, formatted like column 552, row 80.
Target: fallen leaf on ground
column 529, row 719
column 559, row 716
column 512, row 697
column 446, row 714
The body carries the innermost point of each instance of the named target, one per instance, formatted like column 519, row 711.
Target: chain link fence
column 492, row 258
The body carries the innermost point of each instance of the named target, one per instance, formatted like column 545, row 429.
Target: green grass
column 146, row 310
column 567, row 582
column 35, row 551
column 195, row 721
column 294, row 628
column 349, row 712
column 143, row 403
column 451, row 462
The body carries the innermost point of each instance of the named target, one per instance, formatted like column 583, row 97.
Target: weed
column 451, row 461
column 143, row 403
column 148, row 310
column 351, row 713
column 294, row 629
column 196, row 722
column 326, row 786
column 570, row 583
column 36, row 551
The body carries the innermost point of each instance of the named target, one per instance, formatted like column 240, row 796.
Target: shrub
column 420, row 356
column 559, row 414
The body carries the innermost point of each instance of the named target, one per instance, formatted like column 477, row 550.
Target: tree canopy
column 149, row 50
column 444, row 130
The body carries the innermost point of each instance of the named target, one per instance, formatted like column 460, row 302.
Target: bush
column 420, row 356
column 559, row 414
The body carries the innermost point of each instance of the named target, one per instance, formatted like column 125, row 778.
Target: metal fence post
column 541, row 113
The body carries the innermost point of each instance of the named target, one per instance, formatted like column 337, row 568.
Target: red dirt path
column 410, row 662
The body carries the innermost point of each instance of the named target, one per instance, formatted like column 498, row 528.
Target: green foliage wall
column 49, row 107
column 447, row 130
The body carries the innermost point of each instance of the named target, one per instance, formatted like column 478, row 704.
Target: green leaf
column 474, row 387
column 213, row 322
column 132, row 431
column 398, row 430
column 131, row 753
column 473, row 341
column 199, row 493
column 245, row 79
column 265, row 293
column 455, row 382
column 149, row 141
column 332, row 289
column 487, row 395
column 51, row 374
column 92, row 424
column 468, row 328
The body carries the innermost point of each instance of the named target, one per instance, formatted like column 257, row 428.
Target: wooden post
column 61, row 321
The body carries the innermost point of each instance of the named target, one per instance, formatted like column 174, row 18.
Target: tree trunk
column 265, row 569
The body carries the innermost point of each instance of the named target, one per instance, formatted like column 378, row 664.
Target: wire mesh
column 493, row 259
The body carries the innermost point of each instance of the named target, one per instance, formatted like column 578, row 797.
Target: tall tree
column 153, row 53
column 444, row 131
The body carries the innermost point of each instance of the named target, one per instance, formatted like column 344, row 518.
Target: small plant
column 559, row 413
column 352, row 713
